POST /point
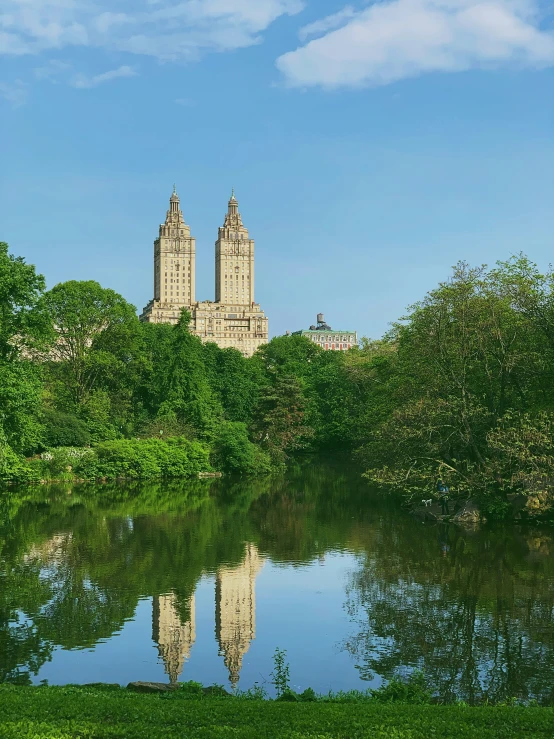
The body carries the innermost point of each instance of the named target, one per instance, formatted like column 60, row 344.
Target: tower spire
column 233, row 204
column 174, row 201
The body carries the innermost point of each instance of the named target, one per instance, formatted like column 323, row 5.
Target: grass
column 105, row 713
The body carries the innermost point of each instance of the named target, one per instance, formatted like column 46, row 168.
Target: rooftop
column 322, row 331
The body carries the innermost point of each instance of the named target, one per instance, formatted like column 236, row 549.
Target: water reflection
column 235, row 604
column 235, row 619
column 173, row 636
column 474, row 609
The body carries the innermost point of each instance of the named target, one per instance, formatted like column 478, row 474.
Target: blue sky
column 371, row 146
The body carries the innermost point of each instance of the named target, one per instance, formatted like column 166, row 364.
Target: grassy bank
column 79, row 713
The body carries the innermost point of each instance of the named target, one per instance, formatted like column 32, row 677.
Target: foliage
column 413, row 690
column 144, row 458
column 21, row 404
column 183, row 386
column 12, row 467
column 64, row 429
column 279, row 422
column 24, row 324
column 234, row 453
column 461, row 389
column 63, row 462
column 165, row 426
column 96, row 334
column 281, row 672
column 473, row 399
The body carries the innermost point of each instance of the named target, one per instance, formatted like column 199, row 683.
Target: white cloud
column 167, row 29
column 82, row 81
column 389, row 41
column 327, row 24
column 14, row 93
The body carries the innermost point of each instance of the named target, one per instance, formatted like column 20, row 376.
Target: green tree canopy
column 97, row 337
column 23, row 321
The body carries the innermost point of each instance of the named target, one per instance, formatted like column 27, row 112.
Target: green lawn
column 75, row 713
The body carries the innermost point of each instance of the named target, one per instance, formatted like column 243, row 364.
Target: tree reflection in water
column 473, row 609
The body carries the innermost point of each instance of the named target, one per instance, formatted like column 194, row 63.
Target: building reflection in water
column 174, row 638
column 235, row 619
column 235, row 610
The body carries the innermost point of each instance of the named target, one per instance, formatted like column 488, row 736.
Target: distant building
column 327, row 338
column 234, row 319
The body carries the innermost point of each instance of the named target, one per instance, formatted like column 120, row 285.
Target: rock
column 536, row 505
column 145, row 687
column 469, row 514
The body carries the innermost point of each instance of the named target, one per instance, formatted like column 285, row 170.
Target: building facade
column 327, row 338
column 234, row 319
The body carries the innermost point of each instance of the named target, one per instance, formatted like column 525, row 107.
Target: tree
column 234, row 453
column 279, row 421
column 234, row 379
column 23, row 322
column 97, row 339
column 466, row 356
column 24, row 328
column 183, row 387
column 288, row 355
column 21, row 390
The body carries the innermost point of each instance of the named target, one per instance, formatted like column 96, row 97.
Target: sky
column 371, row 145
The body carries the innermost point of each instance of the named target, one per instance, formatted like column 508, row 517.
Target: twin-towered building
column 234, row 319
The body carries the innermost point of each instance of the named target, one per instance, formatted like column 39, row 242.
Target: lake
column 203, row 580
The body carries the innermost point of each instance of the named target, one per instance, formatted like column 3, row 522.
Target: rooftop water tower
column 321, row 325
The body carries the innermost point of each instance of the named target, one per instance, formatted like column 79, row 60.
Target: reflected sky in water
column 203, row 580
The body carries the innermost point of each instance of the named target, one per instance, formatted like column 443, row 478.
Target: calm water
column 203, row 580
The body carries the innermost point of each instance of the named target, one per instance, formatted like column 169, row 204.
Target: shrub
column 281, row 675
column 145, row 458
column 64, row 429
column 63, row 461
column 12, row 467
column 412, row 690
column 192, row 689
column 234, row 453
